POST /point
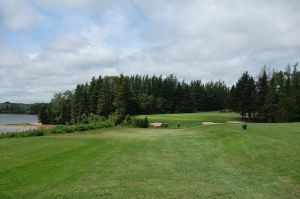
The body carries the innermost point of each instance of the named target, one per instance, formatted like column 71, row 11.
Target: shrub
column 57, row 130
column 128, row 120
column 146, row 123
column 164, row 125
column 141, row 123
column 116, row 118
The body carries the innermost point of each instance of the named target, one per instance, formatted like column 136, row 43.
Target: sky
column 49, row 46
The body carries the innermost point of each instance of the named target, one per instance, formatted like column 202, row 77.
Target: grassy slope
column 192, row 119
column 218, row 161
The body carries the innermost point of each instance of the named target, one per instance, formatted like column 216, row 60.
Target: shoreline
column 9, row 128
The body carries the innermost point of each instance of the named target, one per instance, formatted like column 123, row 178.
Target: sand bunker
column 156, row 124
column 233, row 122
column 209, row 123
column 228, row 122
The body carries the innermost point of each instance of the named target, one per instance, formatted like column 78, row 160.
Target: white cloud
column 206, row 39
column 19, row 15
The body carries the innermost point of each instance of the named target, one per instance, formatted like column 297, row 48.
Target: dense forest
column 18, row 108
column 270, row 97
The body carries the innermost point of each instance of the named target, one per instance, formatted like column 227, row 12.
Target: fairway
column 216, row 161
column 192, row 119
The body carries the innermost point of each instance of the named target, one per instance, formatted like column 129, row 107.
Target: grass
column 216, row 161
column 192, row 119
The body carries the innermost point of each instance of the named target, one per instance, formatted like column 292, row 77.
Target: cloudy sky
column 47, row 46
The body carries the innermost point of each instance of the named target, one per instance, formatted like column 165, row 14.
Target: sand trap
column 228, row 122
column 156, row 124
column 234, row 122
column 209, row 123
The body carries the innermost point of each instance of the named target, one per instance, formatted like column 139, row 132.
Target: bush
column 146, row 122
column 128, row 120
column 164, row 125
column 141, row 123
column 116, row 118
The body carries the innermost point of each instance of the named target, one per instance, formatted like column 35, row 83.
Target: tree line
column 273, row 97
column 19, row 108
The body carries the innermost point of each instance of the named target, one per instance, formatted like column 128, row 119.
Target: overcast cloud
column 47, row 46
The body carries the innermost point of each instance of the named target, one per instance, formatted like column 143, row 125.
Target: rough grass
column 217, row 161
column 192, row 119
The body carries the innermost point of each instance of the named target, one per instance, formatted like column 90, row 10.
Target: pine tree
column 271, row 100
column 104, row 99
column 78, row 103
column 93, row 94
column 246, row 93
column 262, row 90
column 296, row 92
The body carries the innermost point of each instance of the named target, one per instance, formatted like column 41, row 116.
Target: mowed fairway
column 216, row 161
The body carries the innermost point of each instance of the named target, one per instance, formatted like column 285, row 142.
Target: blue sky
column 49, row 46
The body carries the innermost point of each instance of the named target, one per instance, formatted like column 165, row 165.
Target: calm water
column 16, row 119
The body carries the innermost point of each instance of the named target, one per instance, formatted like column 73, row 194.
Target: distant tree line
column 131, row 95
column 19, row 108
column 272, row 97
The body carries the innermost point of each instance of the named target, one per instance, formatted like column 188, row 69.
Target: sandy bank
column 4, row 128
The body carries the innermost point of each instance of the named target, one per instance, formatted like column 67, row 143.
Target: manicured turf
column 217, row 161
column 192, row 119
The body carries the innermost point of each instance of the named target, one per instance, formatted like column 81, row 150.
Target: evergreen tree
column 93, row 94
column 105, row 99
column 271, row 104
column 78, row 103
column 246, row 92
column 262, row 90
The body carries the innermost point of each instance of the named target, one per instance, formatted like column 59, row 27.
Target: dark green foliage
column 116, row 118
column 18, row 108
column 133, row 95
column 43, row 117
column 272, row 98
column 261, row 100
column 58, row 111
column 146, row 123
column 119, row 118
column 164, row 125
column 106, row 96
column 245, row 92
column 275, row 98
column 128, row 120
column 140, row 123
